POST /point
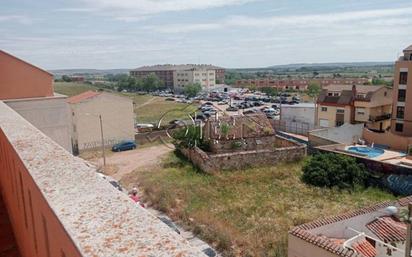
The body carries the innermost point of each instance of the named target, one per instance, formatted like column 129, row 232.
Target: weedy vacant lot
column 244, row 213
column 71, row 88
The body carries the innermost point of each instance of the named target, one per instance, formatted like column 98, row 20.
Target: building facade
column 116, row 114
column 299, row 84
column 29, row 91
column 401, row 123
column 340, row 104
column 177, row 76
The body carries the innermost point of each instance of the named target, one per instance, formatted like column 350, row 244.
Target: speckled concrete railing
column 59, row 207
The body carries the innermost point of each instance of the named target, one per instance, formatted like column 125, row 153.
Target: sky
column 108, row 34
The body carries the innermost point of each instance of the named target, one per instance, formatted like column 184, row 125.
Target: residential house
column 28, row 90
column 376, row 231
column 339, row 104
column 116, row 114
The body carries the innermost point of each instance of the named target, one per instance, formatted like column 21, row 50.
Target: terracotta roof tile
column 303, row 232
column 365, row 248
column 81, row 97
column 388, row 229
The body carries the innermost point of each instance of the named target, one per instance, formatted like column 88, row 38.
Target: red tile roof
column 81, row 97
column 365, row 248
column 388, row 229
column 303, row 232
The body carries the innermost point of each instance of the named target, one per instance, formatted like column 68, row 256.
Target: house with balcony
column 400, row 135
column 340, row 104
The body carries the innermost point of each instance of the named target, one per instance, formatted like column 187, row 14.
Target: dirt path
column 128, row 161
column 146, row 103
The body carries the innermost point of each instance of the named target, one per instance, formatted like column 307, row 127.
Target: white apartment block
column 205, row 77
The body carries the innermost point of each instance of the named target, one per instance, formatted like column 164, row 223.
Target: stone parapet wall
column 213, row 163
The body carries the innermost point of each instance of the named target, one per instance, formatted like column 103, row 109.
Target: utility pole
column 101, row 132
column 408, row 232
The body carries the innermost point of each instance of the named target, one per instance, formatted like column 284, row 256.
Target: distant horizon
column 268, row 67
column 232, row 33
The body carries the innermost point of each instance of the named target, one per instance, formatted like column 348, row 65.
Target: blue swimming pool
column 365, row 150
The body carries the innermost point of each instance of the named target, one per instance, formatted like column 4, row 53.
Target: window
column 400, row 112
column 399, row 127
column 360, row 111
column 324, row 109
column 403, row 78
column 330, row 94
column 340, row 111
column 401, row 95
column 335, row 94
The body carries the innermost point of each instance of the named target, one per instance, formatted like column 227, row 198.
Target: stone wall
column 213, row 163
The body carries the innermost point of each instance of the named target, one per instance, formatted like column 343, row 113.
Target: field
column 71, row 88
column 148, row 108
column 244, row 213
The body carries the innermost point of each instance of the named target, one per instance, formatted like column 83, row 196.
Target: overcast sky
column 56, row 34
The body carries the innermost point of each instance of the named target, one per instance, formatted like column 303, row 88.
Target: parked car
column 232, row 109
column 124, row 146
column 253, row 111
column 207, row 103
column 169, row 99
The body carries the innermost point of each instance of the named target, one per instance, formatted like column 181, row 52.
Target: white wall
column 117, row 116
column 302, row 113
column 51, row 115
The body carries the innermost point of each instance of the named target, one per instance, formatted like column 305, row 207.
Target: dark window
column 400, row 112
column 399, row 127
column 324, row 109
column 340, row 111
column 403, row 78
column 401, row 95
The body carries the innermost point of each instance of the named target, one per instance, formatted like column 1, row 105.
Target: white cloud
column 16, row 18
column 159, row 6
column 373, row 17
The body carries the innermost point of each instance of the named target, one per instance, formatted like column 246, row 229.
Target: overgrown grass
column 71, row 88
column 249, row 212
column 157, row 108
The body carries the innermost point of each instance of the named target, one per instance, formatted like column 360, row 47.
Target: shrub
column 334, row 170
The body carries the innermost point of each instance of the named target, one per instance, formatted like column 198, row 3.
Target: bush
column 334, row 170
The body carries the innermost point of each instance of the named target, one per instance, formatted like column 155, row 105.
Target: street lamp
column 101, row 134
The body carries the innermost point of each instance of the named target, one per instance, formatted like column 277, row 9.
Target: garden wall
column 213, row 163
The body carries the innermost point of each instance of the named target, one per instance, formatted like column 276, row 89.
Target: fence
column 299, row 128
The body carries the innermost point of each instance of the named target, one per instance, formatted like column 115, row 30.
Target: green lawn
column 71, row 88
column 244, row 213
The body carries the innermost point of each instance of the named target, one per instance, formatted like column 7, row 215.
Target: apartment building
column 340, row 104
column 205, row 77
column 401, row 123
column 177, row 76
column 299, row 84
column 28, row 90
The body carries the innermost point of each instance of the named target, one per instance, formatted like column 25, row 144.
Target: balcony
column 58, row 206
column 376, row 118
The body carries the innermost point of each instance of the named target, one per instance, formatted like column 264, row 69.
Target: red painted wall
column 38, row 231
column 19, row 79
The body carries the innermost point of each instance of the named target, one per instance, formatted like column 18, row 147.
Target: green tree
column 192, row 90
column 314, row 90
column 66, row 78
column 334, row 170
column 152, row 83
column 270, row 91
